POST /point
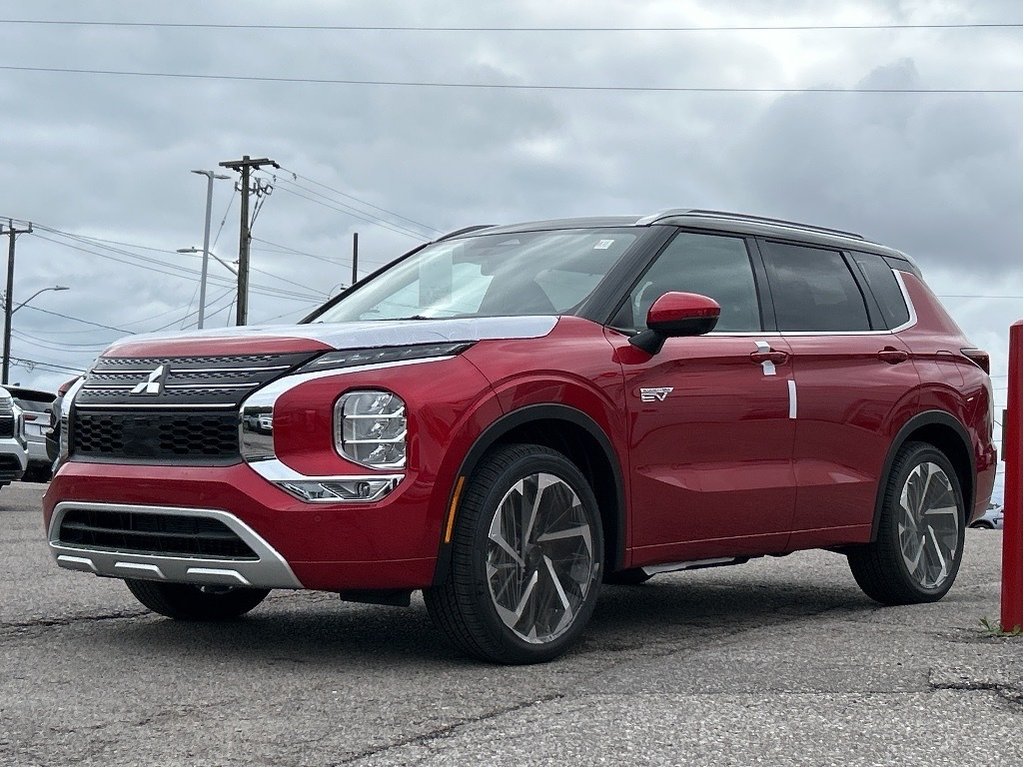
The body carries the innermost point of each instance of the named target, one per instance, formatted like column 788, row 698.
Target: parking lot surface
column 778, row 661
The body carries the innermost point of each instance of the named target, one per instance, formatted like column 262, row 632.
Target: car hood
column 261, row 339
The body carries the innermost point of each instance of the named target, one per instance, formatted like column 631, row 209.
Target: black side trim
column 925, row 419
column 506, row 424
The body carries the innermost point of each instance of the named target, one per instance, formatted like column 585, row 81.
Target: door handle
column 774, row 356
column 893, row 356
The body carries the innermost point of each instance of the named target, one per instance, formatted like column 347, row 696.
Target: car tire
column 983, row 525
column 520, row 588
column 916, row 554
column 192, row 603
column 630, row 577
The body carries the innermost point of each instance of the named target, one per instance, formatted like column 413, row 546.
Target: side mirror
column 676, row 314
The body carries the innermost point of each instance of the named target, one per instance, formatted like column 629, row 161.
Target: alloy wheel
column 540, row 557
column 928, row 525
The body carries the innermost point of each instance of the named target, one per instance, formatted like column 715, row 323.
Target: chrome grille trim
column 201, row 381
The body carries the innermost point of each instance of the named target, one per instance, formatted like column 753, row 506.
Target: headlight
column 370, row 428
column 351, row 358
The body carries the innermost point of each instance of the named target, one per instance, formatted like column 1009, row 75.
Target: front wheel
column 916, row 556
column 526, row 558
column 188, row 602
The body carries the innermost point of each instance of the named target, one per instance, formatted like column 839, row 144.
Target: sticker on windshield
column 604, row 245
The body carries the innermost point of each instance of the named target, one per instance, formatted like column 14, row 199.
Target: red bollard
column 1010, row 602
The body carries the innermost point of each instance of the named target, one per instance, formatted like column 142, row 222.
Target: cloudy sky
column 100, row 162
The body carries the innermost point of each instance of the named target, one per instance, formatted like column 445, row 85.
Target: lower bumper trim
column 269, row 571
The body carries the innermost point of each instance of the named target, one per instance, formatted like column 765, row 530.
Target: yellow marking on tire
column 451, row 510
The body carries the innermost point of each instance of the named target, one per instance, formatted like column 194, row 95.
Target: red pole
column 1010, row 602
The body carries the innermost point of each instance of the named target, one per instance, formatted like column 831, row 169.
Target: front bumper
column 390, row 544
column 13, row 459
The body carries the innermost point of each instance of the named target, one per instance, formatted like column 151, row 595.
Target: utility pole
column 210, row 176
column 355, row 258
column 244, row 167
column 12, row 232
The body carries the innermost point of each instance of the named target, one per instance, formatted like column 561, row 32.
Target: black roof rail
column 462, row 231
column 729, row 215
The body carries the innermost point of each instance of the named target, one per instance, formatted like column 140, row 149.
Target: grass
column 994, row 629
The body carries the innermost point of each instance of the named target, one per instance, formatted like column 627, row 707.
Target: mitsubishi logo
column 154, row 383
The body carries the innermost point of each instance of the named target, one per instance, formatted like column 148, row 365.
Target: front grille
column 211, row 381
column 194, row 437
column 160, row 410
column 6, row 426
column 152, row 534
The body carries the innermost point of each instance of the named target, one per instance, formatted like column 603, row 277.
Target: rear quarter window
column 884, row 287
column 813, row 289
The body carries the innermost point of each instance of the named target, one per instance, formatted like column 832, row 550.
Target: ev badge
column 153, row 385
column 654, row 394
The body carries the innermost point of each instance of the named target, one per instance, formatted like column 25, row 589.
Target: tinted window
column 813, row 290
column 711, row 265
column 884, row 287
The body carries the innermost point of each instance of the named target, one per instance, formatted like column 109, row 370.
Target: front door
column 710, row 431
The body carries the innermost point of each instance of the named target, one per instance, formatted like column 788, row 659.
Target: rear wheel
column 916, row 556
column 526, row 558
column 185, row 601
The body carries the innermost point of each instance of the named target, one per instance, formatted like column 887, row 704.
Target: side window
column 813, row 289
column 884, row 287
column 712, row 265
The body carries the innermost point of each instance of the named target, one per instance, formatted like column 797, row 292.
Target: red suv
column 509, row 416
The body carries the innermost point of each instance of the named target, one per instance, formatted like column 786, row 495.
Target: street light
column 7, row 325
column 210, row 176
column 226, row 264
column 202, row 279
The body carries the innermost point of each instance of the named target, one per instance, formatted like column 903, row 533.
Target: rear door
column 852, row 376
column 708, row 416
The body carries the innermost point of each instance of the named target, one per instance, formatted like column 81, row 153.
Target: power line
column 503, row 86
column 78, row 319
column 366, row 216
column 362, row 202
column 45, row 365
column 289, row 249
column 59, row 345
column 180, row 272
column 397, row 28
column 406, row 233
column 369, row 218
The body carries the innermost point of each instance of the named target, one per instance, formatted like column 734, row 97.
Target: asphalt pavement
column 781, row 661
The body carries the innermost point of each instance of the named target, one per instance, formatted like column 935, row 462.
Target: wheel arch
column 574, row 434
column 947, row 434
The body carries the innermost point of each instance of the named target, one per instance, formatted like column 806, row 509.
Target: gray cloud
column 936, row 175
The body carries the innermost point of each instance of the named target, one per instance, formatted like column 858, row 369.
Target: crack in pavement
column 654, row 652
column 447, row 731
column 18, row 627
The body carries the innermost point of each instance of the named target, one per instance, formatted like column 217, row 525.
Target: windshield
column 526, row 273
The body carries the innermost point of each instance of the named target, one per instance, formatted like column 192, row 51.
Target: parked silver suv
column 13, row 446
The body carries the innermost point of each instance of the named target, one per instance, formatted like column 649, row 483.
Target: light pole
column 7, row 327
column 210, row 176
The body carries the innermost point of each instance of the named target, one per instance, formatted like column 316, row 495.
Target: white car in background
column 13, row 445
column 35, row 406
column 993, row 517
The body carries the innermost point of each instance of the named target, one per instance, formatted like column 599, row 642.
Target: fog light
column 341, row 489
